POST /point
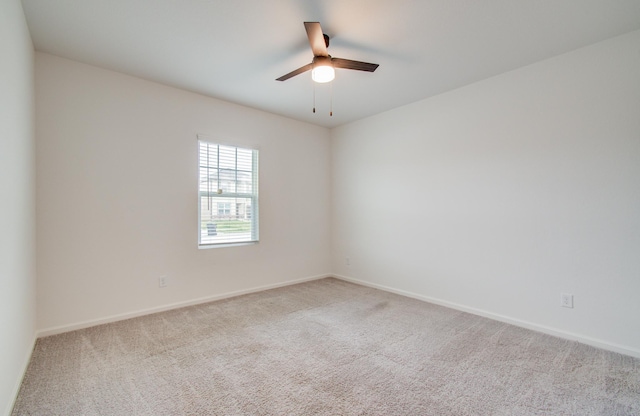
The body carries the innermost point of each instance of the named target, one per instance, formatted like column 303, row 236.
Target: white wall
column 117, row 196
column 498, row 196
column 17, row 209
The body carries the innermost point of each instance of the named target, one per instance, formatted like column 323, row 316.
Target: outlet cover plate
column 566, row 300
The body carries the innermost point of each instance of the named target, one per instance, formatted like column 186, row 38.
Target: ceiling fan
column 323, row 65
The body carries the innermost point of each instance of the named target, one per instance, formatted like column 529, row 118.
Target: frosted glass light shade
column 323, row 73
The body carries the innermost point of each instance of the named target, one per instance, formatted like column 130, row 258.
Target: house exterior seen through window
column 228, row 194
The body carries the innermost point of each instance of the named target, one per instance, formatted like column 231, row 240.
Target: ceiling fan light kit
column 323, row 70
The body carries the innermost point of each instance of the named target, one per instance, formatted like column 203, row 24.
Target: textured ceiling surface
column 234, row 50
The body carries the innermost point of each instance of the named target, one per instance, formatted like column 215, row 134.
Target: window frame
column 252, row 209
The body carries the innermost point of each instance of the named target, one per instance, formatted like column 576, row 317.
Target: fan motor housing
column 322, row 61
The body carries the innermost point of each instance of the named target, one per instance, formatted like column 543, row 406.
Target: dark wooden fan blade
column 357, row 65
column 316, row 38
column 298, row 71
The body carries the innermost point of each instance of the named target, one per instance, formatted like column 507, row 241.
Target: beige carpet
column 323, row 348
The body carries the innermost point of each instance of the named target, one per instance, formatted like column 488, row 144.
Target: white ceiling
column 234, row 50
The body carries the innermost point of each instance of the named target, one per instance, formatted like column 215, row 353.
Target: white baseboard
column 128, row 315
column 16, row 388
column 633, row 352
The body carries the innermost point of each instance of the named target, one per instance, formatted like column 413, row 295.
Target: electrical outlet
column 347, row 261
column 162, row 281
column 566, row 300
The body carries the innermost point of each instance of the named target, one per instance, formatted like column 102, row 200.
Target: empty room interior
column 194, row 221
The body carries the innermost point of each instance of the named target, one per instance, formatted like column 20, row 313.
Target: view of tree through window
column 228, row 194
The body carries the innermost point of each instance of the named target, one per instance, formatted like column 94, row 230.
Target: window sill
column 223, row 245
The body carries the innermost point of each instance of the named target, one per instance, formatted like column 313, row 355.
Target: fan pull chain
column 331, row 101
column 314, row 97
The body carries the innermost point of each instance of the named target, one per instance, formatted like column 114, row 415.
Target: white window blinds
column 228, row 194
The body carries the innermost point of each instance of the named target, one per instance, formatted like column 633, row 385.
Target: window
column 228, row 194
